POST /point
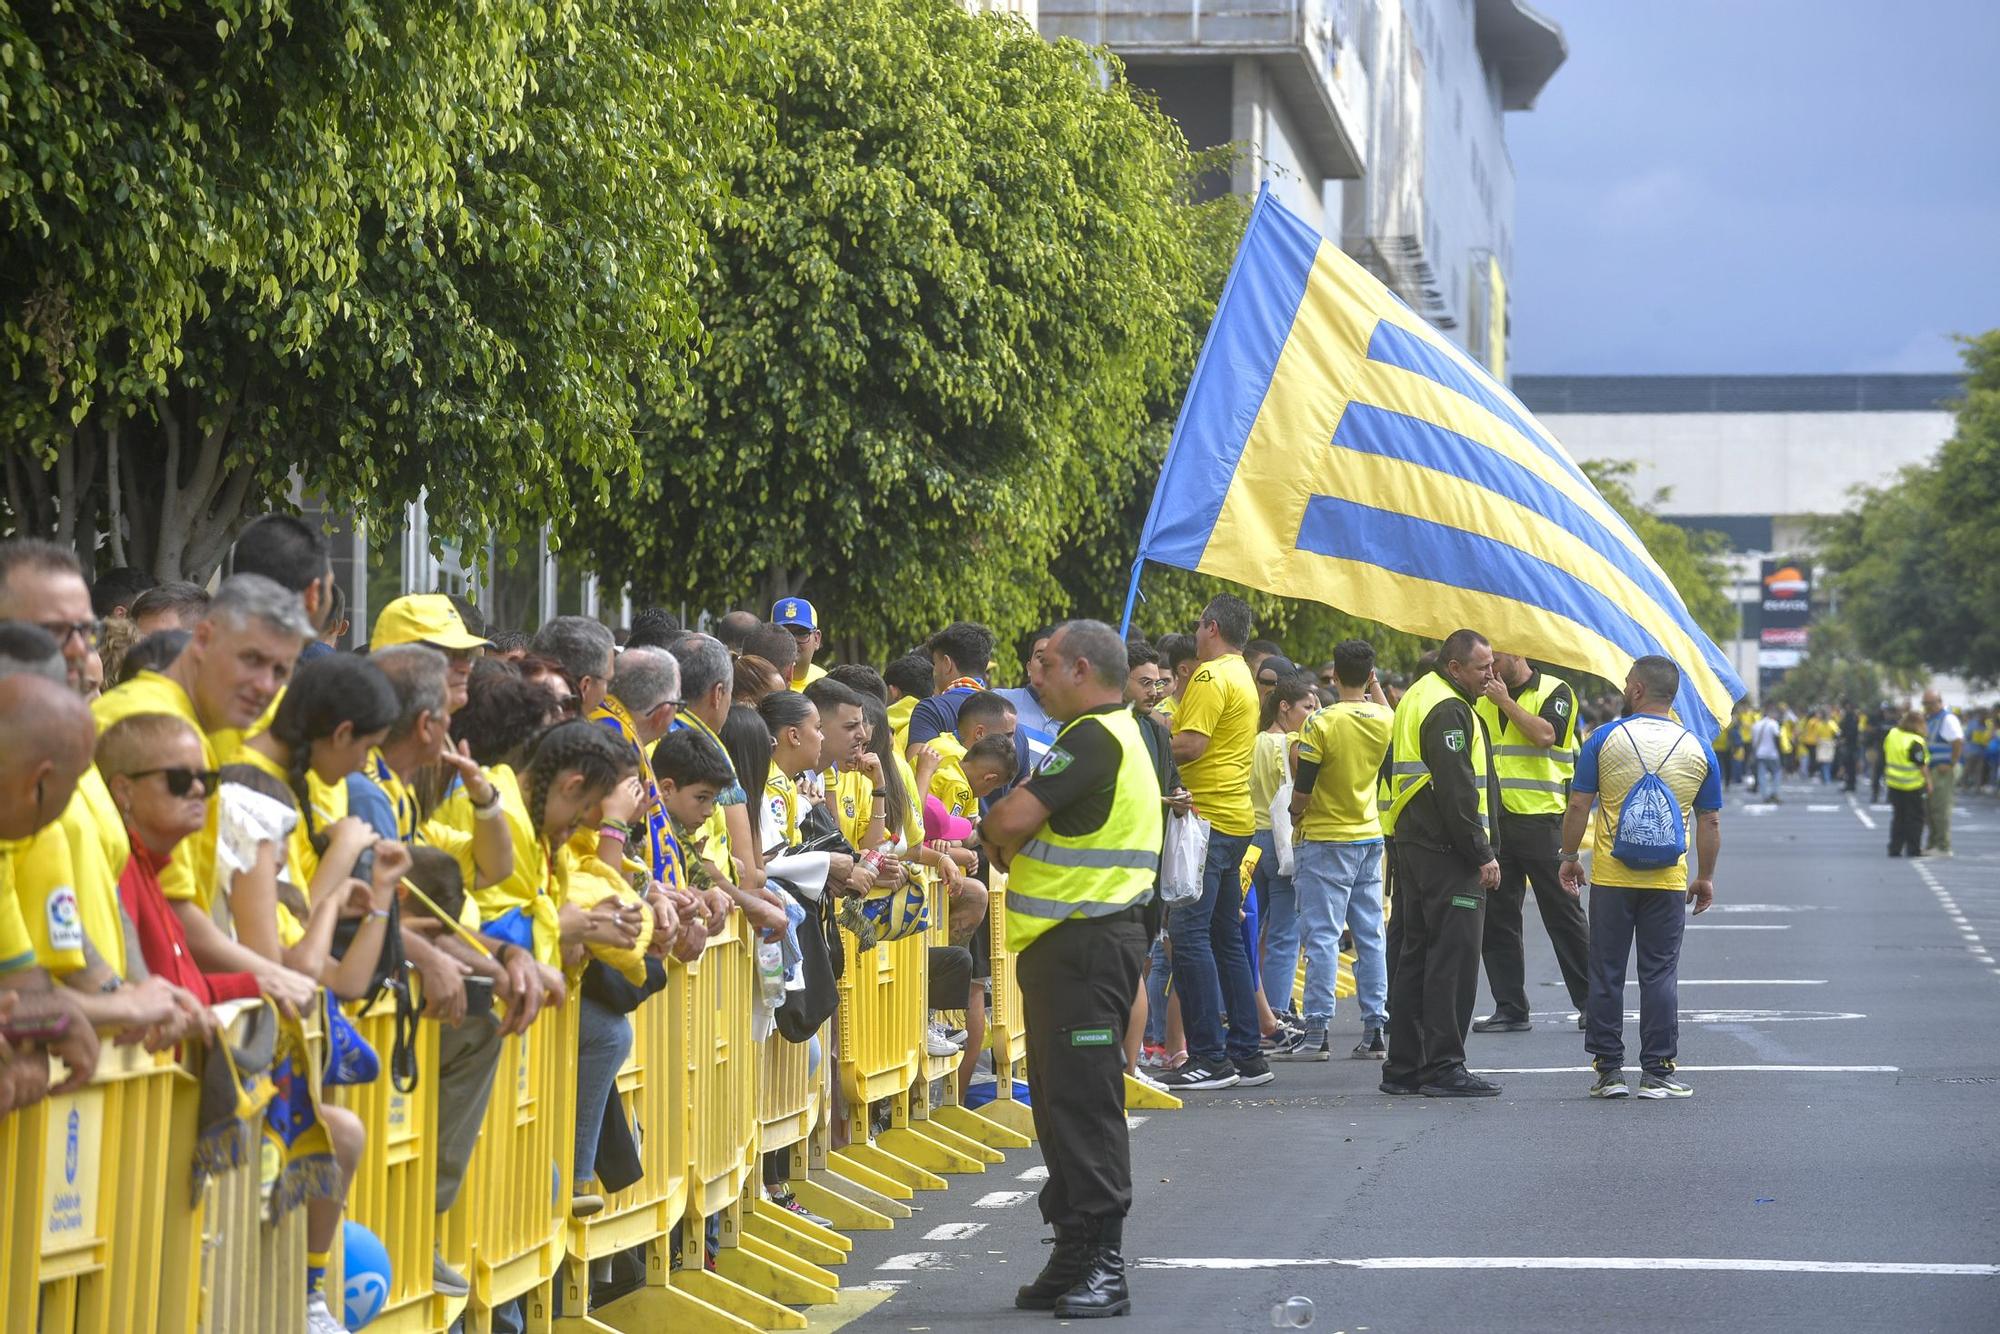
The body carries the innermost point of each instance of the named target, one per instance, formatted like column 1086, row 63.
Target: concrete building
column 1756, row 458
column 1381, row 122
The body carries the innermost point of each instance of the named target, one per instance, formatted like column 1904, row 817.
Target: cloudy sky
column 1760, row 185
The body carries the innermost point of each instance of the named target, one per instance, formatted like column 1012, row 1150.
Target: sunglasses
column 87, row 631
column 180, row 782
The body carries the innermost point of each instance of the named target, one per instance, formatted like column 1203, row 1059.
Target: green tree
column 1691, row 560
column 1915, row 564
column 355, row 247
column 948, row 294
column 1836, row 671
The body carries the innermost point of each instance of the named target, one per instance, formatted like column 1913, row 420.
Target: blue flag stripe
column 1396, row 346
column 1411, row 440
column 1231, row 378
column 1348, row 530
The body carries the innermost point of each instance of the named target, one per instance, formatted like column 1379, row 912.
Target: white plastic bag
column 1281, row 826
column 1181, row 862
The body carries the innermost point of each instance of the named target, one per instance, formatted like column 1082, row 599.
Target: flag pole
column 1131, row 597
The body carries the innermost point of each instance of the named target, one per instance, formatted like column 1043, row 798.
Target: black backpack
column 822, row 961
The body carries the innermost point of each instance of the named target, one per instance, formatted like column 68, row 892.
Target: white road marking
column 1817, row 810
column 1034, row 1174
column 1738, row 926
column 1709, row 1071
column 954, row 1231
column 1743, row 982
column 885, row 1285
column 1634, row 1262
column 1957, row 918
column 1867, row 820
column 1001, row 1199
column 1134, row 1122
column 916, row 1260
column 1765, row 907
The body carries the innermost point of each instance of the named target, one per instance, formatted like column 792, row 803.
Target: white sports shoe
column 319, row 1320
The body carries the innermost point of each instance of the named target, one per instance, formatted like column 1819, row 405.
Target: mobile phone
column 40, row 1028
column 478, row 995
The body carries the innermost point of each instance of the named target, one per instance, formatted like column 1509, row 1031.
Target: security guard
column 1081, row 842
column 1904, row 768
column 1445, row 794
column 1531, row 718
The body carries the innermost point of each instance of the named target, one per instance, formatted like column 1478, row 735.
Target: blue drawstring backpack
column 1652, row 831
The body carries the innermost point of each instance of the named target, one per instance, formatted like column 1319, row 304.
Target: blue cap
column 798, row 612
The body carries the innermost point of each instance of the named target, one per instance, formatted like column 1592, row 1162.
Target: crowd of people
column 1923, row 755
column 203, row 800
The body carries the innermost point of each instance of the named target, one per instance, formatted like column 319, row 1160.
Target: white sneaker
column 319, row 1320
column 1149, row 1081
column 937, row 1044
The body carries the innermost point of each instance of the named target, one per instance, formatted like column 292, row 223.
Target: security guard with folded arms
column 1444, row 798
column 1081, row 841
column 1531, row 718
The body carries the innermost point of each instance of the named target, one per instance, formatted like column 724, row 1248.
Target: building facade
column 1758, row 459
column 1380, row 122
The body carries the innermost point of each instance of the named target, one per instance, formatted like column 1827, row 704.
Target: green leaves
column 1916, row 563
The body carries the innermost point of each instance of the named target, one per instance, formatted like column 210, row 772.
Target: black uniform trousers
column 1443, row 912
column 1077, row 982
column 1392, row 934
column 1530, row 854
column 1906, row 822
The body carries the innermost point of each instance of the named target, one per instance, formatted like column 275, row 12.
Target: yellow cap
column 423, row 618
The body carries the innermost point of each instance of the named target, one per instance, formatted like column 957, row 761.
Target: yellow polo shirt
column 190, row 874
column 1221, row 703
column 66, row 882
column 1347, row 740
column 17, row 949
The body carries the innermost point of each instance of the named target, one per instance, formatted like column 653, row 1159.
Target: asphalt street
column 1837, row 1168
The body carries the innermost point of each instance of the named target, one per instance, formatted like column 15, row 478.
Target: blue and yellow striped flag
column 1333, row 446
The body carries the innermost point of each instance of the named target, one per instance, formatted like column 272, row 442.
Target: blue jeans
column 1656, row 919
column 1210, row 968
column 603, row 1041
column 1767, row 779
column 1156, row 994
column 1340, row 885
column 1278, row 908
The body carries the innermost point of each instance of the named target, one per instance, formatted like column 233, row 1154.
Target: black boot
column 1059, row 1275
column 1101, row 1291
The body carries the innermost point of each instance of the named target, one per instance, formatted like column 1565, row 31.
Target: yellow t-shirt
column 190, row 874
column 1268, row 770
column 949, row 784
column 899, row 721
column 17, row 950
column 586, row 880
column 852, row 796
column 532, row 885
column 1221, row 703
column 1347, row 741
column 66, row 882
column 449, row 828
column 1612, row 764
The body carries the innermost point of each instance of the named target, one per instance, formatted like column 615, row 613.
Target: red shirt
column 161, row 938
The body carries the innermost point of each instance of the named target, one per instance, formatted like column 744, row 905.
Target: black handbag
column 822, row 960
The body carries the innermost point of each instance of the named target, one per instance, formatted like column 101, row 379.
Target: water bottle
column 1292, row 1313
column 771, row 974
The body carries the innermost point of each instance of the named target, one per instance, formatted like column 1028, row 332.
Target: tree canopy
column 1915, row 564
column 960, row 273
column 360, row 247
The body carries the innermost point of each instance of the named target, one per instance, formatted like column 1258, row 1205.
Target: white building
column 1757, row 458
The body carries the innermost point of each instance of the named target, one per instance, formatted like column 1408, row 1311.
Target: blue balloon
column 366, row 1265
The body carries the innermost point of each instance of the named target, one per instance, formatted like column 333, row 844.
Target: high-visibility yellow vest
column 1408, row 774
column 1385, row 806
column 1055, row 877
column 1533, row 781
column 1897, row 771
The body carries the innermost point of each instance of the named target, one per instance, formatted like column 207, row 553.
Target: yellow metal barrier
column 881, row 1019
column 252, row 1273
column 103, row 1178
column 791, row 1091
column 512, row 1215
column 394, row 1193
column 1006, row 1023
column 722, row 1072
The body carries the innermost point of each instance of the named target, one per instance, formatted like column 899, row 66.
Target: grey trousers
column 467, row 1057
column 1944, row 786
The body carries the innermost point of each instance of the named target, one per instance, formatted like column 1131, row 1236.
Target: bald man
column 46, row 739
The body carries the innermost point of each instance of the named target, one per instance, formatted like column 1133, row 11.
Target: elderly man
column 1945, row 735
column 430, row 619
column 584, row 649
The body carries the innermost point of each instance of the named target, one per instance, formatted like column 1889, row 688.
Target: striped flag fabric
column 1334, row 446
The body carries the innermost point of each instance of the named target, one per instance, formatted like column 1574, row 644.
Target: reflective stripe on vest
column 1897, row 771
column 1533, row 781
column 1408, row 772
column 1055, row 878
column 1940, row 749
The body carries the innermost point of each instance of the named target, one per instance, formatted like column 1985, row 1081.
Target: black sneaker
column 1610, row 1084
column 1495, row 1023
column 1254, row 1071
column 1371, row 1047
column 1194, row 1075
column 1460, row 1084
column 1663, row 1086
column 1286, row 1036
column 1310, row 1046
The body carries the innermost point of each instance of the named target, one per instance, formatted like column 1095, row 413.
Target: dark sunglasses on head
column 180, row 782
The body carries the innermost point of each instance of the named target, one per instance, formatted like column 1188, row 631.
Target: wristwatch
column 1572, row 856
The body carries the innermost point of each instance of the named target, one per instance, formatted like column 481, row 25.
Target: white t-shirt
column 1947, row 729
column 1764, row 739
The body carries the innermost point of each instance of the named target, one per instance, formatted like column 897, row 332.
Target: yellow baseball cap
column 423, row 618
